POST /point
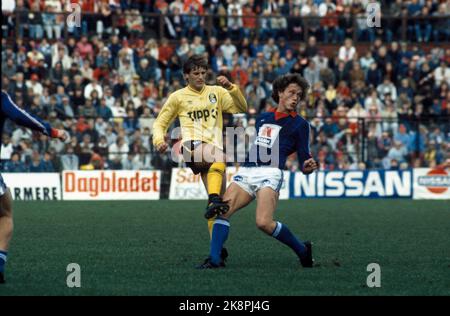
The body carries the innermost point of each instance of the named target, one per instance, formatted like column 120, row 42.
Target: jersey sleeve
column 258, row 122
column 303, row 150
column 23, row 118
column 233, row 100
column 165, row 118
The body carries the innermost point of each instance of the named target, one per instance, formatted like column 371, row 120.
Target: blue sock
column 219, row 236
column 283, row 234
column 3, row 255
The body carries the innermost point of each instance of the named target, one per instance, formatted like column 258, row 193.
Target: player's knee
column 265, row 225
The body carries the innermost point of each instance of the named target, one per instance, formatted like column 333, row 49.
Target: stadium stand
column 380, row 97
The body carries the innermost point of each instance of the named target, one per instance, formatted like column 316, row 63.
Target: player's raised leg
column 201, row 162
column 204, row 176
column 214, row 179
column 211, row 220
column 267, row 200
column 6, row 226
column 210, row 162
column 236, row 198
column 201, row 157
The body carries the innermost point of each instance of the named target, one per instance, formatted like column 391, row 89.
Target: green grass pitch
column 151, row 248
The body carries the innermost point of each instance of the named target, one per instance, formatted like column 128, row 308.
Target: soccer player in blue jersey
column 10, row 110
column 279, row 134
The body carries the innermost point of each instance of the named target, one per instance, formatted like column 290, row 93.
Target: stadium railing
column 358, row 138
column 156, row 25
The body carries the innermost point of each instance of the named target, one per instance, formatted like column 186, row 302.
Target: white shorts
column 253, row 179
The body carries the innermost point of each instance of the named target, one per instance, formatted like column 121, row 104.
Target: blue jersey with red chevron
column 10, row 110
column 278, row 135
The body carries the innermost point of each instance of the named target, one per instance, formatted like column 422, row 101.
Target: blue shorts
column 2, row 186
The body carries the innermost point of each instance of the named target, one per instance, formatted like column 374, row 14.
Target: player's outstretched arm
column 23, row 118
column 233, row 99
column 165, row 118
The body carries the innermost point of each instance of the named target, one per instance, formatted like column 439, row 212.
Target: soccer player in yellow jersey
column 199, row 108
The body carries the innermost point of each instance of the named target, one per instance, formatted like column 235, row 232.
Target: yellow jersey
column 200, row 113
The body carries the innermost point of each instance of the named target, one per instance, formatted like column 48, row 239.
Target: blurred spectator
column 53, row 19
column 347, row 51
column 312, row 73
column 192, row 20
column 85, row 49
column 104, row 111
column 311, row 48
column 7, row 148
column 441, row 25
column 321, row 60
column 19, row 135
column 35, row 85
column 134, row 23
column 93, row 85
column 330, row 22
column 228, row 49
column 249, row 20
column 356, row 74
column 235, row 24
column 398, row 152
column 346, row 28
column 118, row 150
column 278, row 24
column 423, row 26
column 364, row 31
column 442, row 74
column 37, row 163
column 127, row 163
column 312, row 21
column 14, row 164
column 374, row 76
column 130, row 123
column 69, row 161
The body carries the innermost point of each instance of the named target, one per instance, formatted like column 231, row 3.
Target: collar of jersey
column 280, row 115
column 198, row 92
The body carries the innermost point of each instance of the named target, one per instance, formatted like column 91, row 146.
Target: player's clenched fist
column 224, row 82
column 60, row 134
column 309, row 166
column 162, row 148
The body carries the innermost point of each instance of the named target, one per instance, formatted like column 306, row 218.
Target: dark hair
column 281, row 83
column 195, row 61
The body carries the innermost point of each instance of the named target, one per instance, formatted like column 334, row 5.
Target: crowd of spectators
column 327, row 20
column 387, row 106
